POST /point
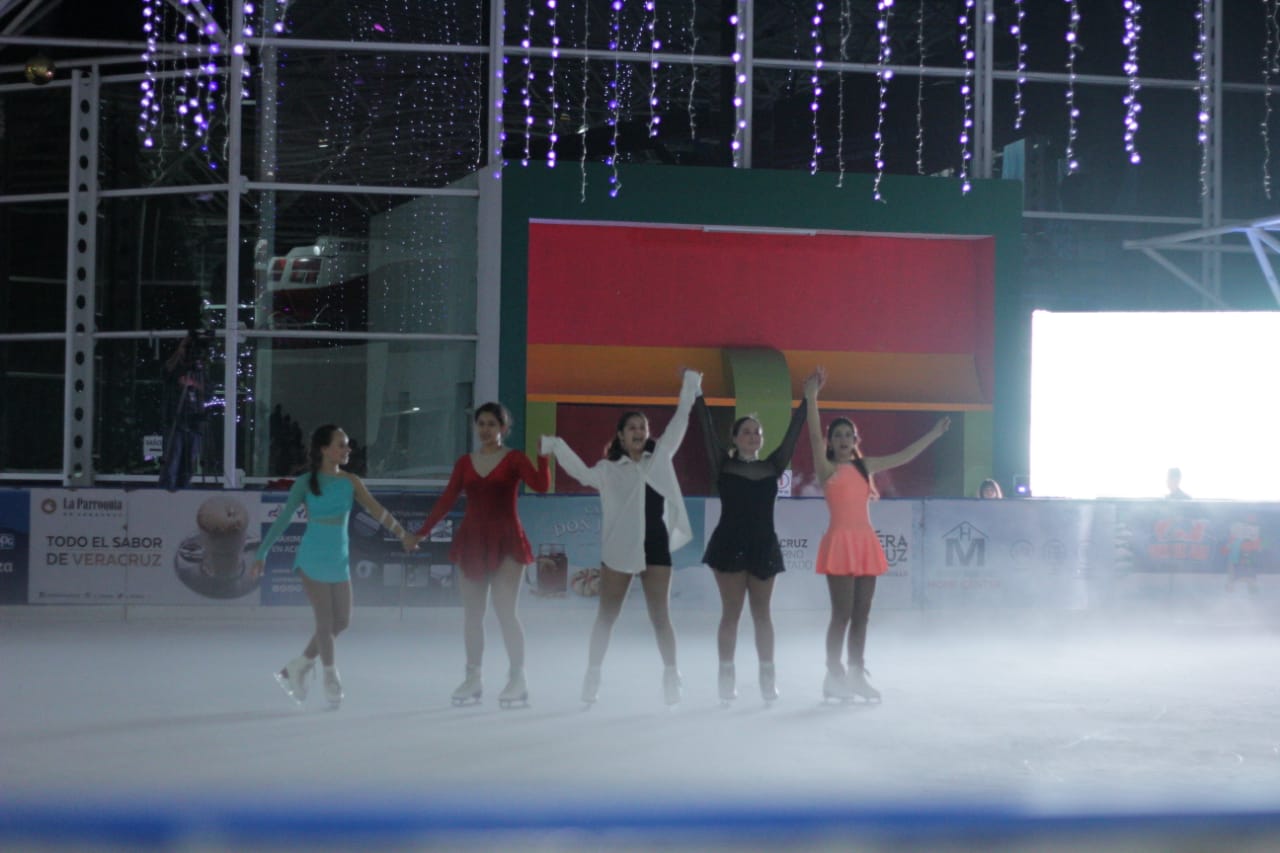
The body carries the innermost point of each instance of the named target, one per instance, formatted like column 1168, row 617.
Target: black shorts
column 657, row 547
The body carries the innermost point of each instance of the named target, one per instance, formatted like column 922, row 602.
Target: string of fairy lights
column 1132, row 106
column 883, row 75
column 968, row 56
column 183, row 96
column 815, row 80
column 1270, row 68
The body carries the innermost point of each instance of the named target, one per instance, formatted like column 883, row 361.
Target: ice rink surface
column 1061, row 714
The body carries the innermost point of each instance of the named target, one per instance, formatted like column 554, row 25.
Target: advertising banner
column 1190, row 549
column 73, row 556
column 1014, row 553
column 381, row 571
column 192, row 547
column 15, row 543
column 382, row 574
column 149, row 546
column 800, row 523
column 564, row 533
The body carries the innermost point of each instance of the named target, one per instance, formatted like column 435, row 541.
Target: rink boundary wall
column 63, row 548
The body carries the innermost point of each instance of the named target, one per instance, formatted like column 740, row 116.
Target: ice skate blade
column 509, row 704
column 460, row 701
column 284, row 685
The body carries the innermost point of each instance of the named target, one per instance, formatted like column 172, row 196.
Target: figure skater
column 323, row 558
column 644, row 520
column 850, row 554
column 490, row 547
column 743, row 551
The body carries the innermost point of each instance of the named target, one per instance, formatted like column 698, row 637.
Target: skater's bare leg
column 613, row 591
column 841, row 588
column 864, row 591
column 331, row 606
column 760, row 594
column 656, row 582
column 474, row 596
column 506, row 591
column 733, row 593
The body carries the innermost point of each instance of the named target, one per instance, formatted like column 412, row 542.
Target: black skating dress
column 744, row 539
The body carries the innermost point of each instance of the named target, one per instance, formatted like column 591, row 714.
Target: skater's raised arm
column 381, row 513
column 716, row 452
column 911, row 451
column 781, row 457
column 822, row 466
column 673, row 435
column 572, row 463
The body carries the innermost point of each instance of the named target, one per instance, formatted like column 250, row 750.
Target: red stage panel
column 667, row 286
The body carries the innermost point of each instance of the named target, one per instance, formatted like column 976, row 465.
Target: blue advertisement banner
column 15, row 545
column 564, row 533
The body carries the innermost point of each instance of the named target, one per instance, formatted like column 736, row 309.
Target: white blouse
column 622, row 484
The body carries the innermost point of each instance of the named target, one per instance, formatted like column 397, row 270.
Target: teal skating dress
column 324, row 553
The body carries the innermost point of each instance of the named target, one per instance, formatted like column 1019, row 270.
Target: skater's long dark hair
column 858, row 461
column 614, row 451
column 319, row 441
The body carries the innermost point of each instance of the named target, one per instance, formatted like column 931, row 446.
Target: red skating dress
column 850, row 545
column 490, row 530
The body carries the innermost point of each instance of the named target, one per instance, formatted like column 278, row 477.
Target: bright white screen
column 1119, row 398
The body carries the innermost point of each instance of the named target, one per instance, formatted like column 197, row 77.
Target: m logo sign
column 966, row 546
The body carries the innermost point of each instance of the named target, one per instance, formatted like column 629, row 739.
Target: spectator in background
column 1174, row 481
column 989, row 489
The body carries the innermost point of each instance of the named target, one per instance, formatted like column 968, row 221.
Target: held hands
column 814, row 382
column 409, row 541
column 546, row 445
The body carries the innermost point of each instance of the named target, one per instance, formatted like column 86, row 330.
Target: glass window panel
column 31, row 405
column 405, row 404
column 162, row 262
column 179, row 138
column 35, row 140
column 136, row 399
column 352, row 263
column 33, row 267
column 400, row 119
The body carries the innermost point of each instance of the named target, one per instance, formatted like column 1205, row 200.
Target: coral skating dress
column 850, row 545
column 490, row 530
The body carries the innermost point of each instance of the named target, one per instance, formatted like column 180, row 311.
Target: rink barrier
column 151, row 547
column 160, row 825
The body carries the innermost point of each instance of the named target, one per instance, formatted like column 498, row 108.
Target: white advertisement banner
column 150, row 546
column 800, row 523
column 73, row 546
column 1014, row 553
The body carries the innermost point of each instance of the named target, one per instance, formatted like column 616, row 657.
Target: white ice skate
column 859, row 687
column 726, row 683
column 470, row 690
column 768, row 682
column 516, row 693
column 293, row 677
column 591, row 686
column 835, row 687
column 332, row 688
column 672, row 685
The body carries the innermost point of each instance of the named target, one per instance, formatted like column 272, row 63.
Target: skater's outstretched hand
column 255, row 570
